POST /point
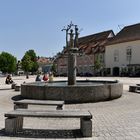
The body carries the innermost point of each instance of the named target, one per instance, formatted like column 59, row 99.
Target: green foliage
column 7, row 62
column 53, row 68
column 32, row 55
column 29, row 61
column 97, row 65
column 26, row 63
column 35, row 67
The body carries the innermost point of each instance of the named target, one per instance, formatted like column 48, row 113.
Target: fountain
column 73, row 91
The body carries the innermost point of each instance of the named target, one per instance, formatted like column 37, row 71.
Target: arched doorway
column 116, row 71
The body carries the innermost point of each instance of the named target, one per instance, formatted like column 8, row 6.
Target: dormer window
column 110, row 35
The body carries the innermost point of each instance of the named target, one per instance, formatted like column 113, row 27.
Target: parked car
column 87, row 74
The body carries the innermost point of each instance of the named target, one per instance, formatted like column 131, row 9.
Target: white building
column 122, row 53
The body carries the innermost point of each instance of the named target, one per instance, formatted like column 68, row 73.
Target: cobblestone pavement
column 112, row 120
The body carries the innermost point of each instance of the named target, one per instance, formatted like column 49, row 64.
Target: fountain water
column 73, row 91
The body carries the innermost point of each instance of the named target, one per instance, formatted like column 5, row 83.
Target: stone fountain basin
column 83, row 92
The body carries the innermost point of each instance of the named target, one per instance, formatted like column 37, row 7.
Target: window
column 128, row 54
column 101, row 58
column 116, row 56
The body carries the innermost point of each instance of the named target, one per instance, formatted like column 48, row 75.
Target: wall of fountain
column 89, row 91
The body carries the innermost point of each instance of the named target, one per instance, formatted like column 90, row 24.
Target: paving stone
column 112, row 120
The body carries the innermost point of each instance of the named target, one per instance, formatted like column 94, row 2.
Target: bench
column 24, row 103
column 17, row 87
column 13, row 85
column 138, row 84
column 14, row 120
column 134, row 88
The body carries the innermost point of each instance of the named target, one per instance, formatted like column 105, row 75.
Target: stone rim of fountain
column 73, row 93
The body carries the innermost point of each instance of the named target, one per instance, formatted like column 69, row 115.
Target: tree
column 32, row 55
column 97, row 65
column 53, row 68
column 7, row 62
column 33, row 58
column 27, row 64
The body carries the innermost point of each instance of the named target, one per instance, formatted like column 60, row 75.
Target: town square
column 112, row 120
column 69, row 70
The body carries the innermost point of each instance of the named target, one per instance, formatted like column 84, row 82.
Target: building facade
column 122, row 55
column 92, row 59
column 45, row 64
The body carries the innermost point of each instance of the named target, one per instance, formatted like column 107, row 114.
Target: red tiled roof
column 95, row 37
column 96, row 41
column 43, row 60
column 86, row 43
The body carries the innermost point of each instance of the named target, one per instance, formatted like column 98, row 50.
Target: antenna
column 120, row 26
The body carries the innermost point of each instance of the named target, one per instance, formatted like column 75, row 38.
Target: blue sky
column 37, row 24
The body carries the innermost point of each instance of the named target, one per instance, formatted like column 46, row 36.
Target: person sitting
column 38, row 78
column 45, row 77
column 8, row 79
column 50, row 77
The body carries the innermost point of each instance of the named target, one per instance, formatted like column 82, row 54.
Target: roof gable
column 95, row 42
column 96, row 37
column 87, row 43
column 128, row 33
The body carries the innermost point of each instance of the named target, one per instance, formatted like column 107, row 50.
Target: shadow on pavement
column 17, row 97
column 5, row 88
column 41, row 133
